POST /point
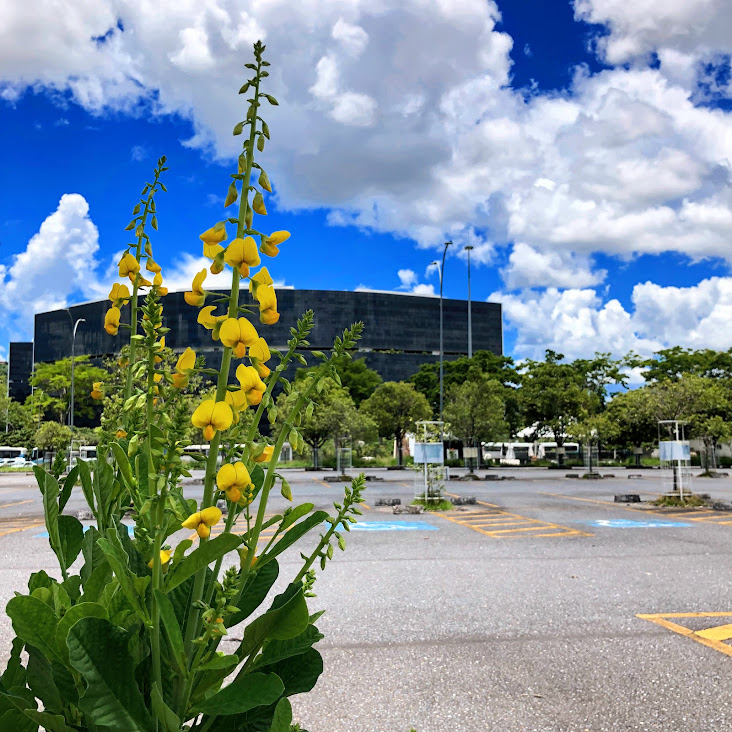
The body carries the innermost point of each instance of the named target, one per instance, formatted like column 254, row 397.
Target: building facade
column 401, row 331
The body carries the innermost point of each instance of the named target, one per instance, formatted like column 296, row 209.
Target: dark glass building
column 19, row 370
column 401, row 331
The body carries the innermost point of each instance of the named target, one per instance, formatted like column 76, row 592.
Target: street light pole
column 73, row 350
column 442, row 349
column 469, row 249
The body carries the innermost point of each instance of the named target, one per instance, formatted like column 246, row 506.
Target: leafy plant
column 131, row 641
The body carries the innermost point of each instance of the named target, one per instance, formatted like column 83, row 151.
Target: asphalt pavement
column 544, row 607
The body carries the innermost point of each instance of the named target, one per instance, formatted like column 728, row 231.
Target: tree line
column 487, row 398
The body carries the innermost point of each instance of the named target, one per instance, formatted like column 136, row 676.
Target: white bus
column 7, row 454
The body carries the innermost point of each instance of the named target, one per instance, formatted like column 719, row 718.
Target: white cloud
column 57, row 264
column 638, row 28
column 407, row 277
column 527, row 267
column 577, row 322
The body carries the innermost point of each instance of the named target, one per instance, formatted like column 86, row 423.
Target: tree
column 672, row 363
column 52, row 389
column 555, row 395
column 498, row 368
column 334, row 417
column 705, row 404
column 475, row 411
column 395, row 406
column 629, row 420
column 356, row 377
column 19, row 421
column 53, row 437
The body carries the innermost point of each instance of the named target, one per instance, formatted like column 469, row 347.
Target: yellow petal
column 222, row 416
column 192, row 521
column 210, row 516
column 266, row 455
column 226, row 477
column 202, row 416
column 213, row 236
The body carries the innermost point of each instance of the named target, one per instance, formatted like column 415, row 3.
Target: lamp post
column 441, row 271
column 469, row 249
column 73, row 350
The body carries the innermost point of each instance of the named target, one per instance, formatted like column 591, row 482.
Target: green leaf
column 296, row 514
column 71, row 536
column 14, row 674
column 132, row 586
column 39, row 579
column 69, row 483
column 124, row 466
column 86, row 485
column 49, row 722
column 287, row 618
column 282, row 717
column 172, row 629
column 271, row 100
column 254, row 593
column 34, row 622
column 40, row 680
column 297, row 531
column 299, row 673
column 93, row 555
column 97, row 581
column 278, row 650
column 238, row 128
column 251, row 690
column 165, row 715
column 73, row 616
column 154, row 222
column 98, row 651
column 219, row 662
column 206, row 553
column 49, row 489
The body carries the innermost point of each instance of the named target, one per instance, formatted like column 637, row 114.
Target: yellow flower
column 184, row 368
column 120, row 434
column 251, row 384
column 128, row 265
column 158, row 284
column 242, row 253
column 259, row 353
column 141, row 281
column 210, row 321
column 119, row 294
column 111, row 320
column 186, row 361
column 164, row 558
column 267, row 305
column 159, row 346
column 266, row 455
column 213, row 235
column 211, row 416
column 261, row 278
column 96, row 392
column 153, row 266
column 197, row 296
column 202, row 521
column 235, row 481
column 270, row 243
column 238, row 334
column 237, row 400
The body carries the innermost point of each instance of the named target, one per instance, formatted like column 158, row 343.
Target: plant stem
column 223, row 380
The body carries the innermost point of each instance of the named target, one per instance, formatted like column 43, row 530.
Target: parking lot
column 544, row 606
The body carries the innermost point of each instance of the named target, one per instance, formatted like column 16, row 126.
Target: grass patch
column 443, row 505
column 672, row 501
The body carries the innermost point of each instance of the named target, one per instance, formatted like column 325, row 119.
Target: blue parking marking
column 629, row 524
column 393, row 526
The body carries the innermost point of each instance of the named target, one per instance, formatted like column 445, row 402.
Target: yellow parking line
column 706, row 637
column 706, row 516
column 22, row 528
column 322, row 482
column 17, row 503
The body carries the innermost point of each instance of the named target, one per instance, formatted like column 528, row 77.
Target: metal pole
column 469, row 249
column 442, row 354
column 73, row 349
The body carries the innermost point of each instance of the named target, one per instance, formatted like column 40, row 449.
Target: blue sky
column 582, row 148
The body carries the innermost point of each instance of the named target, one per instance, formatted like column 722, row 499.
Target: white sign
column 669, row 450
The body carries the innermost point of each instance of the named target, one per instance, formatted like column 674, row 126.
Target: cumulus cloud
column 399, row 117
column 577, row 322
column 58, row 263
